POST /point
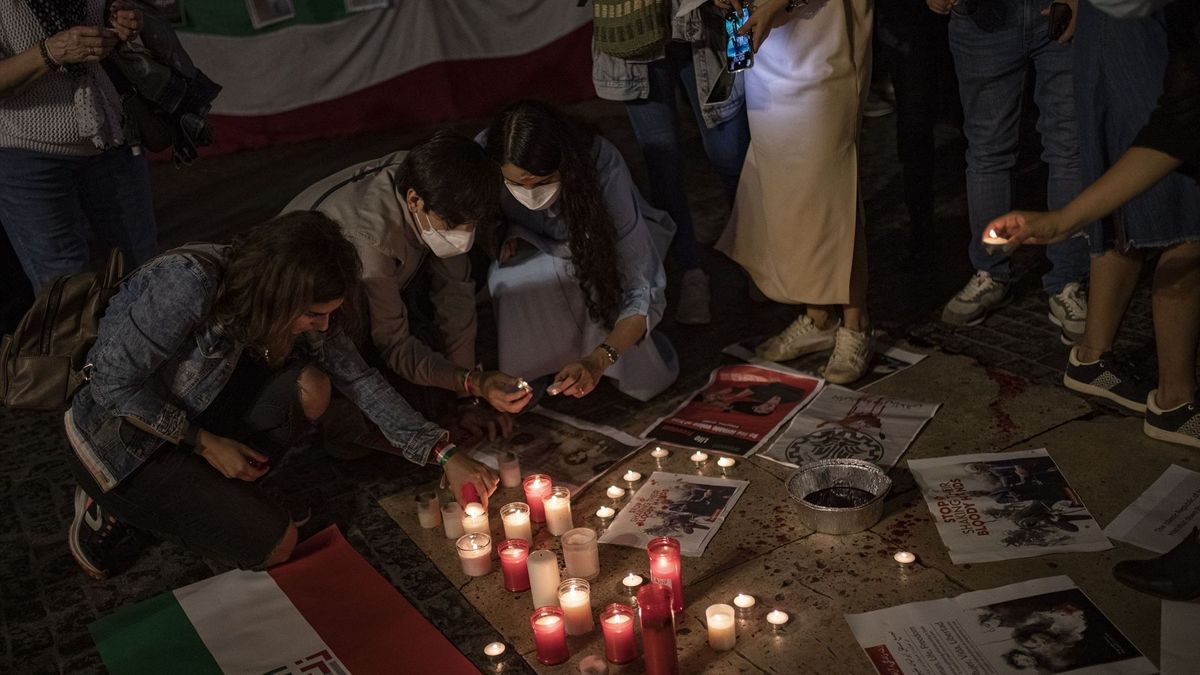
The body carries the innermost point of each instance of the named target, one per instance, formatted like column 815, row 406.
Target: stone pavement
column 46, row 602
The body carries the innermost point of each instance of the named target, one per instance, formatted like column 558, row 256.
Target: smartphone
column 1060, row 18
column 737, row 49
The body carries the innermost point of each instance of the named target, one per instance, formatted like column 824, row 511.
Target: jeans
column 994, row 47
column 656, row 127
column 49, row 200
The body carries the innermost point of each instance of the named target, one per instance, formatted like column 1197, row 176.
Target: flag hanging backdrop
column 325, row 611
column 326, row 72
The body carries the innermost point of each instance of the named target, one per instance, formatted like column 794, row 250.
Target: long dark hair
column 541, row 140
column 278, row 269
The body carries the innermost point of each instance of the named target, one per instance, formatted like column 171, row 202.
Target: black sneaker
column 98, row 541
column 1106, row 379
column 1178, row 425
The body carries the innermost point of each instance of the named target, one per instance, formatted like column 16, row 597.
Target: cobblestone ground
column 46, row 603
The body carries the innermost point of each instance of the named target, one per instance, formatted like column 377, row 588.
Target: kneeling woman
column 578, row 287
column 210, row 362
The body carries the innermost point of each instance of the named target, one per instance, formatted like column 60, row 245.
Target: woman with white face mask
column 578, row 287
column 420, row 209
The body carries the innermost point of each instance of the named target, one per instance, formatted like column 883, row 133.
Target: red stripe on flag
column 363, row 618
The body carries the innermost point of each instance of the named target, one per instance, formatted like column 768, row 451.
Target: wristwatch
column 793, row 4
column 610, row 352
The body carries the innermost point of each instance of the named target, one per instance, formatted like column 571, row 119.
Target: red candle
column 658, row 629
column 513, row 554
column 550, row 635
column 666, row 567
column 617, row 623
column 537, row 488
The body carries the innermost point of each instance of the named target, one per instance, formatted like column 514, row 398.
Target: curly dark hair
column 541, row 139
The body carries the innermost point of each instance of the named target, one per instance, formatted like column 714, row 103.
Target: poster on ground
column 737, row 410
column 1005, row 505
column 686, row 507
column 887, row 360
column 1163, row 515
column 841, row 423
column 1040, row 626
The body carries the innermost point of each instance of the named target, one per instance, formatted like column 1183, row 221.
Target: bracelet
column 49, row 60
column 794, row 4
column 467, row 385
column 443, row 452
column 610, row 352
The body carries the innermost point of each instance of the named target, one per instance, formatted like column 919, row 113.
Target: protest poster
column 737, row 410
column 841, row 423
column 1041, row 626
column 1163, row 515
column 885, row 362
column 688, row 508
column 1005, row 505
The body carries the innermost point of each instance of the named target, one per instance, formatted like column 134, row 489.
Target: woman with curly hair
column 579, row 283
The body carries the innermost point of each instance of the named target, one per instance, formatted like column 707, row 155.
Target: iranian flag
column 326, row 611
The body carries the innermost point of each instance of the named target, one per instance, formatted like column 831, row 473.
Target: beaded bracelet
column 49, row 60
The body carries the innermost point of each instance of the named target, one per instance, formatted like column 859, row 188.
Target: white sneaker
column 971, row 305
column 693, row 306
column 1068, row 311
column 851, row 356
column 801, row 337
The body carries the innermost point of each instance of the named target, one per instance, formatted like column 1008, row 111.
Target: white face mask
column 446, row 243
column 535, row 198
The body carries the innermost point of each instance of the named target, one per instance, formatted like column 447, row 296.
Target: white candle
column 452, row 520
column 699, row 457
column 777, row 618
column 905, row 558
column 726, row 462
column 605, row 512
column 510, row 470
column 615, row 492
column 631, row 476
column 475, row 519
column 659, row 452
column 515, row 517
column 580, row 553
column 744, row 601
column 543, row 578
column 475, row 554
column 575, row 598
column 722, row 630
column 494, row 649
column 429, row 510
column 631, row 582
column 558, row 511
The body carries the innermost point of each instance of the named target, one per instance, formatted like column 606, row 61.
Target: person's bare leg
column 821, row 315
column 284, row 550
column 1114, row 278
column 854, row 314
column 1176, row 301
column 315, row 392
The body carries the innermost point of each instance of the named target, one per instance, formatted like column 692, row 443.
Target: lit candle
column 543, row 578
column 513, row 556
column 658, row 630
column 631, row 582
column 575, row 598
column 726, row 462
column 580, row 553
column 429, row 511
column 510, row 470
column 475, row 519
column 605, row 512
column 494, row 649
column 557, row 506
column 993, row 242
column 743, row 601
column 537, row 488
column 722, row 631
column 549, row 635
column 666, row 567
column 659, row 452
column 515, row 517
column 699, row 458
column 631, row 476
column 615, row 492
column 905, row 558
column 616, row 622
column 777, row 618
column 475, row 554
column 452, row 520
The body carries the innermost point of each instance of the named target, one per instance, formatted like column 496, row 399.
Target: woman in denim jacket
column 210, row 362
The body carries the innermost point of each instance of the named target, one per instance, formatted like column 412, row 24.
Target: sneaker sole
column 1000, row 304
column 1169, row 436
column 77, row 523
column 1064, row 335
column 1107, row 394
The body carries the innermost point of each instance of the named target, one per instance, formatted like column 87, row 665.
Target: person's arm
column 81, row 44
column 404, row 353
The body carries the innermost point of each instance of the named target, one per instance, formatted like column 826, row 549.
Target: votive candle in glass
column 616, row 622
column 581, row 554
column 558, row 510
column 475, row 519
column 667, row 568
column 543, row 578
column 513, row 556
column 429, row 510
column 510, row 470
column 549, row 635
column 658, row 629
column 537, row 488
column 475, row 554
column 452, row 520
column 722, row 629
column 575, row 598
column 515, row 517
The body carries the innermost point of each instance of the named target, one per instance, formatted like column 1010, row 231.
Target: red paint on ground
column 1009, row 386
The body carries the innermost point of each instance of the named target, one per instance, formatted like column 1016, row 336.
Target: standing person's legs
column 117, row 200
column 1172, row 412
column 1114, row 278
column 726, row 143
column 39, row 207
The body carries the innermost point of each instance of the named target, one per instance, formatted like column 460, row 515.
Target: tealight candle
column 513, row 556
column 666, row 567
column 993, row 242
column 631, row 476
column 537, row 488
column 475, row 519
column 743, row 601
column 452, row 520
column 575, row 598
column 605, row 512
column 543, row 578
column 494, row 649
column 777, row 618
column 722, row 630
column 429, row 511
column 616, row 622
column 549, row 635
column 510, row 470
column 515, row 517
column 726, row 462
column 580, row 553
column 475, row 554
column 659, row 452
column 615, row 492
column 905, row 558
column 699, row 458
column 631, row 582
column 557, row 506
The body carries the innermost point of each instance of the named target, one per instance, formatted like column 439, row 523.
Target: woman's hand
column 232, row 459
column 81, row 44
column 1031, row 227
column 503, row 392
column 764, row 16
column 461, row 470
column 1070, row 31
column 580, row 378
column 941, row 6
column 508, row 249
column 480, row 422
column 126, row 21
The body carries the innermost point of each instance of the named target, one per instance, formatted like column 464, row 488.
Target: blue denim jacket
column 160, row 359
column 722, row 93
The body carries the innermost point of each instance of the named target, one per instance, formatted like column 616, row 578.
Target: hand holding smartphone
column 737, row 49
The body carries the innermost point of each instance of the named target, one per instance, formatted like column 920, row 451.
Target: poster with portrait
column 1041, row 626
column 265, row 13
column 841, row 423
column 1005, row 505
column 887, row 360
column 738, row 409
column 1163, row 515
column 686, row 507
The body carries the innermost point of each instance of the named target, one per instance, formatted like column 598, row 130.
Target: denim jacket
column 722, row 93
column 160, row 359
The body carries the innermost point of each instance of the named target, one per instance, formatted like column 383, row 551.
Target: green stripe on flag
column 151, row 638
column 232, row 18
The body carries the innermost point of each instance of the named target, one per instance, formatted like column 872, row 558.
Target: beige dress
column 797, row 217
